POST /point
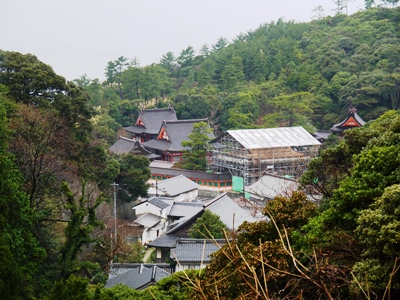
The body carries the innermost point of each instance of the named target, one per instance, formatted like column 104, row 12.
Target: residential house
column 158, row 206
column 179, row 188
column 171, row 134
column 186, row 214
column 148, row 123
column 152, row 217
column 194, row 254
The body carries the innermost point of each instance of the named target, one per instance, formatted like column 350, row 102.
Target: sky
column 77, row 37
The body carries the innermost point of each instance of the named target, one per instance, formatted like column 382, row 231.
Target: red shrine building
column 148, row 123
column 353, row 120
column 171, row 134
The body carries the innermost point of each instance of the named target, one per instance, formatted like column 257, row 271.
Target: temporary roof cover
column 273, row 137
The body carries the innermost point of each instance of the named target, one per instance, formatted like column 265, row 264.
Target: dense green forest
column 282, row 74
column 56, row 175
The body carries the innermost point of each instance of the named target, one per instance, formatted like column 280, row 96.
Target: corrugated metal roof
column 273, row 137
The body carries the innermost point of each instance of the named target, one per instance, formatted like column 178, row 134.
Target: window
column 215, row 183
column 200, row 182
column 222, row 184
column 159, row 177
column 210, row 183
column 153, row 177
column 229, row 183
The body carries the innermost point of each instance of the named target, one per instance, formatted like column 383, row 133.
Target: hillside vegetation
column 281, row 74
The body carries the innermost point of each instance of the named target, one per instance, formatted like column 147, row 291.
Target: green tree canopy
column 195, row 155
column 208, row 226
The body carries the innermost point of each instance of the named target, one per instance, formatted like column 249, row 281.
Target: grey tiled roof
column 159, row 203
column 229, row 211
column 138, row 277
column 162, row 145
column 321, row 134
column 124, row 145
column 195, row 250
column 177, row 185
column 183, row 223
column 177, row 132
column 164, row 241
column 152, row 120
column 182, row 209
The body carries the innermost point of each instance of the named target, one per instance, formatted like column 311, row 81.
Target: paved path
column 147, row 254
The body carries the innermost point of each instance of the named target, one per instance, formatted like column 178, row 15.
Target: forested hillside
column 56, row 176
column 281, row 74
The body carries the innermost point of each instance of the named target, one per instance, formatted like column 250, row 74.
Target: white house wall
column 187, row 197
column 150, row 208
column 191, row 266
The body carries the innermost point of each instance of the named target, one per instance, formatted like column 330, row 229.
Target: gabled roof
column 177, row 185
column 183, row 209
column 183, row 223
column 172, row 134
column 159, row 203
column 321, row 135
column 164, row 241
column 150, row 120
column 124, row 145
column 272, row 137
column 352, row 120
column 229, row 211
column 195, row 250
column 138, row 277
column 270, row 186
column 148, row 220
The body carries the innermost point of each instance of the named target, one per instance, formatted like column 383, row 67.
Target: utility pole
column 115, row 185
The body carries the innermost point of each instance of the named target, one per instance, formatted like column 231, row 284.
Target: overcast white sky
column 79, row 37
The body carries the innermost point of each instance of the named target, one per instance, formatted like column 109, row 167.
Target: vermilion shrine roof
column 353, row 120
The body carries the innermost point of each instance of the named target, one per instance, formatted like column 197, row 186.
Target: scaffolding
column 252, row 153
